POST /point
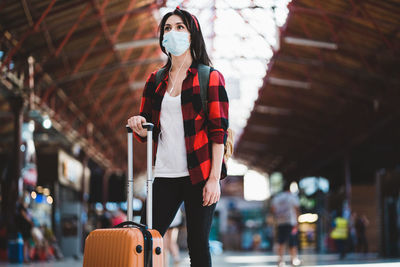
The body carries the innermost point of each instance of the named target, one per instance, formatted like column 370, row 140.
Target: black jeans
column 168, row 195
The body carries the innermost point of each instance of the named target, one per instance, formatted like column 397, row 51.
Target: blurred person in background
column 105, row 219
column 340, row 233
column 352, row 240
column 286, row 208
column 24, row 226
column 171, row 240
column 40, row 247
column 361, row 225
column 52, row 242
column 118, row 217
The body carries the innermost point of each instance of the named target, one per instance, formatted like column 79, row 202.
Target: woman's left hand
column 211, row 191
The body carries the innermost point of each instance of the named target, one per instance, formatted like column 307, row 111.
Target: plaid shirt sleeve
column 218, row 107
column 146, row 109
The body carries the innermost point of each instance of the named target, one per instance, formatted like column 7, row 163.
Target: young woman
column 189, row 142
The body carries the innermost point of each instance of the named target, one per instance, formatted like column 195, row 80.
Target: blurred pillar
column 83, row 157
column 347, row 177
column 106, row 177
column 381, row 222
column 10, row 192
column 320, row 237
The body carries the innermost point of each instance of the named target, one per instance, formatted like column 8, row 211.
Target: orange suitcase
column 129, row 243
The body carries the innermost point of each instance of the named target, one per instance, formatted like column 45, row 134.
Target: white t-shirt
column 171, row 160
column 285, row 205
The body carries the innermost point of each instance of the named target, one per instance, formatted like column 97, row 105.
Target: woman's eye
column 180, row 27
column 167, row 28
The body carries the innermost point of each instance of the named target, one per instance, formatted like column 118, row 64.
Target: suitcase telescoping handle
column 149, row 184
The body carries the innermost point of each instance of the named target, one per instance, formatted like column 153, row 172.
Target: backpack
column 204, row 78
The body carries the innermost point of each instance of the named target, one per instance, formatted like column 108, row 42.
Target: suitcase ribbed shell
column 117, row 248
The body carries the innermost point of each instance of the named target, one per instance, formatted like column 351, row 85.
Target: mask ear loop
column 174, row 82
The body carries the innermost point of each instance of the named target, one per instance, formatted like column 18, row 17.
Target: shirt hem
column 171, row 175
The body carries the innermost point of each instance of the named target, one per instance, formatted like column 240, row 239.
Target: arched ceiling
column 91, row 62
column 332, row 87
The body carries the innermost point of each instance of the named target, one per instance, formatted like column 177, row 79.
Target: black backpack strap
column 159, row 75
column 204, row 79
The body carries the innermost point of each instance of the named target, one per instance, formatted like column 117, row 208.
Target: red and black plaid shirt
column 200, row 131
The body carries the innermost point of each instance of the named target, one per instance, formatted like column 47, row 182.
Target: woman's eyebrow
column 179, row 22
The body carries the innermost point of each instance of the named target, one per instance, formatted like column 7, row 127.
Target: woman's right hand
column 135, row 123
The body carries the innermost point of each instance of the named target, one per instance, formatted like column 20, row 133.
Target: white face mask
column 176, row 43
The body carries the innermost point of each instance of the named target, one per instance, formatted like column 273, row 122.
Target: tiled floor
column 255, row 259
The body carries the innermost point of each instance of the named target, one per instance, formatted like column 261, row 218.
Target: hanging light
column 31, row 126
column 308, row 218
column 49, row 200
column 46, row 122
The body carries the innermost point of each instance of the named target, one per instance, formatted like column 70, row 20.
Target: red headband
column 195, row 21
column 194, row 18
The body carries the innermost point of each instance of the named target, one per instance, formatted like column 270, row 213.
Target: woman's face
column 175, row 23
